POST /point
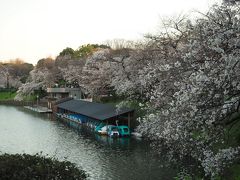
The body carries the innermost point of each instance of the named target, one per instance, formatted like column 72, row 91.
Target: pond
column 23, row 131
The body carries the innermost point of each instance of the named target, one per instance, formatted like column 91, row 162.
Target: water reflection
column 124, row 142
column 102, row 157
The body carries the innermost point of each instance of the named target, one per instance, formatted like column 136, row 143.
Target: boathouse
column 95, row 113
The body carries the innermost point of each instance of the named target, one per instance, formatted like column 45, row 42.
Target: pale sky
column 35, row 29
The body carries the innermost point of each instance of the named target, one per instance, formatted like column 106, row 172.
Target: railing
column 57, row 90
column 22, row 103
column 62, row 90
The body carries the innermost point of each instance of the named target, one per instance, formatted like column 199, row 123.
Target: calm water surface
column 23, row 131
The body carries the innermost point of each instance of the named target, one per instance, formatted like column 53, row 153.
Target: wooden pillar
column 129, row 119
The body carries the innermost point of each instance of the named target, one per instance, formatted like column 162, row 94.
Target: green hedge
column 24, row 167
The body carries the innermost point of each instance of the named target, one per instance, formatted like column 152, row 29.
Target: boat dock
column 39, row 109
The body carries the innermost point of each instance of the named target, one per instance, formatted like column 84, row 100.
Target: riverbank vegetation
column 24, row 166
column 7, row 95
column 186, row 80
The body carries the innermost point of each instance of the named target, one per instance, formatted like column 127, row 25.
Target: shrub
column 24, row 166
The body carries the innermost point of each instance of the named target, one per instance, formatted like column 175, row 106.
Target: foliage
column 45, row 63
column 139, row 107
column 66, row 70
column 45, row 74
column 72, row 72
column 84, row 51
column 30, row 97
column 96, row 73
column 24, row 166
column 67, row 51
column 109, row 71
column 183, row 175
column 120, row 44
column 233, row 172
column 192, row 80
column 14, row 73
column 20, row 69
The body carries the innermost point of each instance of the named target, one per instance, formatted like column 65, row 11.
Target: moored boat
column 113, row 131
column 124, row 131
column 103, row 130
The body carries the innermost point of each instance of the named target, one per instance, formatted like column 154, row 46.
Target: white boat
column 109, row 130
column 113, row 131
column 103, row 130
column 136, row 134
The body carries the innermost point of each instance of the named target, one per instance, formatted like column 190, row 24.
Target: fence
column 23, row 103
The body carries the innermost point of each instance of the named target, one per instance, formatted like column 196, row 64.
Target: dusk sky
column 34, row 29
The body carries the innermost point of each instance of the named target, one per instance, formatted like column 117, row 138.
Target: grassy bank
column 7, row 95
column 30, row 97
column 10, row 95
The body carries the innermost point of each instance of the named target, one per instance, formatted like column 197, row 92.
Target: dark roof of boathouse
column 92, row 109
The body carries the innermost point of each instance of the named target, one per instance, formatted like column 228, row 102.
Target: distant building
column 55, row 94
column 60, row 93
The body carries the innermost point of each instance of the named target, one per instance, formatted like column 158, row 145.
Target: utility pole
column 37, row 100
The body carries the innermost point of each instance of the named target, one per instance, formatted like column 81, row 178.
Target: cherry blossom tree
column 192, row 81
column 45, row 74
column 9, row 77
column 96, row 74
column 113, row 71
column 72, row 72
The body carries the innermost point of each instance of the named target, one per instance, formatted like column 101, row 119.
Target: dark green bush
column 24, row 166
